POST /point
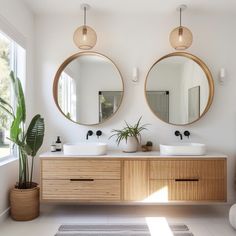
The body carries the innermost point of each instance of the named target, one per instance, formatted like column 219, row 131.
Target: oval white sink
column 184, row 149
column 94, row 149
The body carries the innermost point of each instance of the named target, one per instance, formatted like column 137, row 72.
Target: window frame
column 18, row 52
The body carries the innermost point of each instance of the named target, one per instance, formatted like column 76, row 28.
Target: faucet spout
column 177, row 133
column 89, row 133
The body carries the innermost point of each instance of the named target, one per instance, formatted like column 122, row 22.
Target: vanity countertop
column 120, row 154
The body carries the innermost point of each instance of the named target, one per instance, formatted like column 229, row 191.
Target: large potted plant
column 130, row 135
column 24, row 197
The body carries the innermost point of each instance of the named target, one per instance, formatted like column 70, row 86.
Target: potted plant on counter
column 24, row 197
column 130, row 135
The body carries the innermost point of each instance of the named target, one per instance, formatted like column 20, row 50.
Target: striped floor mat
column 117, row 230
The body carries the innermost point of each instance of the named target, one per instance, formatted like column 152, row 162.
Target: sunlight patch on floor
column 158, row 226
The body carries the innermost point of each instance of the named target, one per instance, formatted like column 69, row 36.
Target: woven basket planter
column 24, row 203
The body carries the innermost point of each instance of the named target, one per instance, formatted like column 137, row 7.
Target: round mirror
column 88, row 88
column 179, row 88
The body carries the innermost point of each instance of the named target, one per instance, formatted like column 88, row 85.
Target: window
column 67, row 95
column 12, row 57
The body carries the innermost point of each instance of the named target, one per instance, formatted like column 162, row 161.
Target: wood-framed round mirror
column 179, row 88
column 88, row 88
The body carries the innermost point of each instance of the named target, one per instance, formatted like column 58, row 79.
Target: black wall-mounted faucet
column 186, row 133
column 98, row 133
column 177, row 133
column 89, row 133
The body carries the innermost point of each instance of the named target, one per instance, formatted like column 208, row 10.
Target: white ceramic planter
column 131, row 145
column 232, row 216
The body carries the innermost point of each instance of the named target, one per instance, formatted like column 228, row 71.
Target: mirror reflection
column 179, row 89
column 88, row 88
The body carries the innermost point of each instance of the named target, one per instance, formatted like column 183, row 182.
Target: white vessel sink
column 184, row 149
column 86, row 149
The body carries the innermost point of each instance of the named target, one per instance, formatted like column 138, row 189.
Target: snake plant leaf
column 35, row 134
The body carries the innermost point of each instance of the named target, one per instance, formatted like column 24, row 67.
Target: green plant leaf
column 5, row 104
column 15, row 129
column 20, row 116
column 137, row 124
column 35, row 135
column 27, row 149
column 28, row 143
column 7, row 111
column 20, row 99
column 129, row 131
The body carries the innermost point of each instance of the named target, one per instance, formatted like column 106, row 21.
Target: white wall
column 18, row 22
column 139, row 40
column 8, row 175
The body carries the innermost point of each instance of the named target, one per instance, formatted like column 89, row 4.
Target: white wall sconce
column 222, row 75
column 135, row 74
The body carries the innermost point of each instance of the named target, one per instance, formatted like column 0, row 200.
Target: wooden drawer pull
column 81, row 180
column 186, row 180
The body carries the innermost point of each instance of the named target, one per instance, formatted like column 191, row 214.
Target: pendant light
column 85, row 37
column 181, row 37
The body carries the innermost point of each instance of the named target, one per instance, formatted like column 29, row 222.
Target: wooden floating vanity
column 130, row 178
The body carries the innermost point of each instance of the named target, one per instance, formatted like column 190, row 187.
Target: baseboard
column 4, row 215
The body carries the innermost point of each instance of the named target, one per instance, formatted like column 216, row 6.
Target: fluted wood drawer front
column 172, row 169
column 96, row 190
column 135, row 180
column 202, row 190
column 81, row 169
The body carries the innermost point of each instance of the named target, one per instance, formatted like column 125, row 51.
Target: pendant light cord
column 84, row 16
column 180, row 16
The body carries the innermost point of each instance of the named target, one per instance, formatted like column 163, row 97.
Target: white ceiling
column 119, row 6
